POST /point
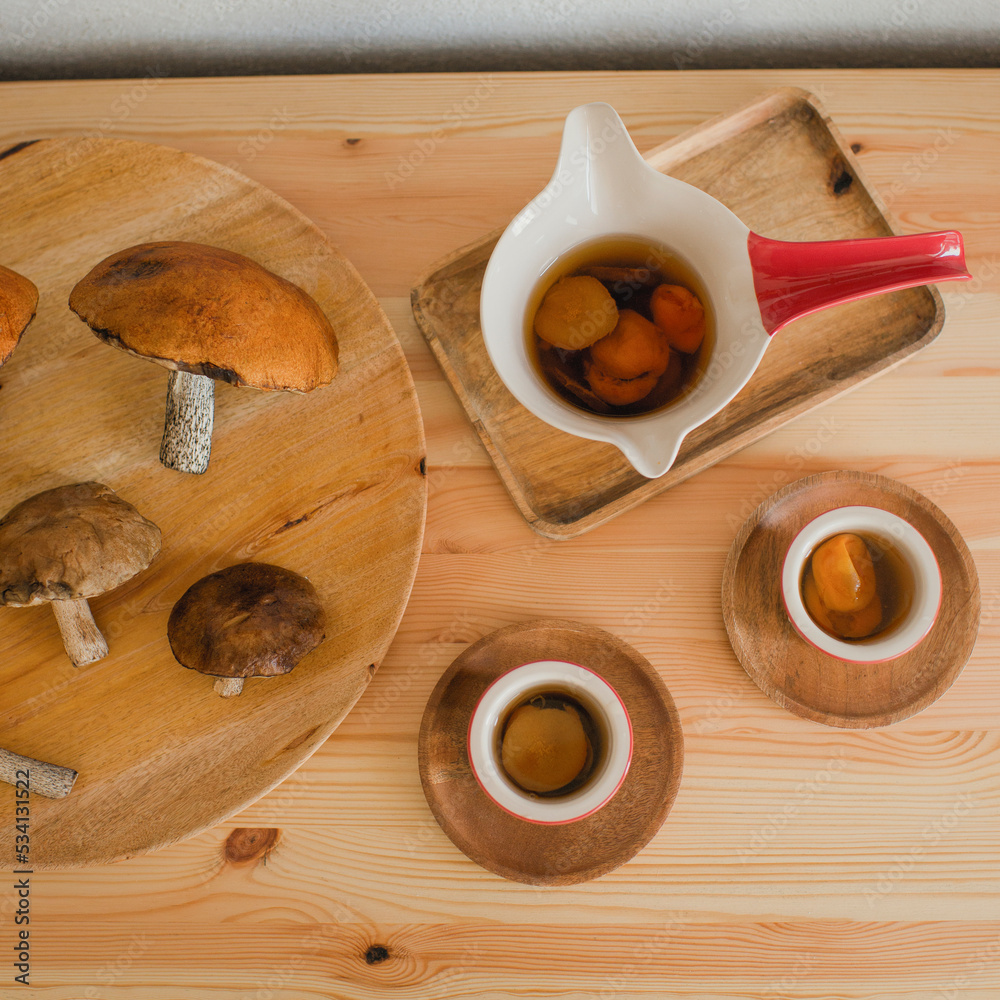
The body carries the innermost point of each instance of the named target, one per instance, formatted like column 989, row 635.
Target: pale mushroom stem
column 228, row 687
column 187, row 429
column 50, row 780
column 80, row 634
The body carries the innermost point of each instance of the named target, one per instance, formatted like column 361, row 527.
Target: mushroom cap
column 250, row 620
column 209, row 311
column 18, row 300
column 72, row 542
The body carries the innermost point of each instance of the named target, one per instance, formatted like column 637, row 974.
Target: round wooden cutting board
column 329, row 484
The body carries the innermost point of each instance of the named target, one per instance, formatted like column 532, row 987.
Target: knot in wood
column 841, row 178
column 249, row 844
column 376, row 954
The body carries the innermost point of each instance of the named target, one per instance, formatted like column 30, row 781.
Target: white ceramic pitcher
column 602, row 187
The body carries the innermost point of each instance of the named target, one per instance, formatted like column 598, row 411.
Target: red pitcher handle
column 795, row 279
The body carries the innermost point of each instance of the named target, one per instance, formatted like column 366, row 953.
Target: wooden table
column 798, row 861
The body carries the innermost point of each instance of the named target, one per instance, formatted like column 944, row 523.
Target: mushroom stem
column 50, row 780
column 187, row 430
column 228, row 687
column 80, row 634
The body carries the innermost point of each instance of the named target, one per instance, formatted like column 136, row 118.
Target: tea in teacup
column 861, row 584
column 549, row 743
column 857, row 586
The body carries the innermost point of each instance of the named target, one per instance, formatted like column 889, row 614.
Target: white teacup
column 908, row 543
column 600, row 701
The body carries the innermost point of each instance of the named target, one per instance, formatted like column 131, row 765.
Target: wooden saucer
column 528, row 852
column 806, row 680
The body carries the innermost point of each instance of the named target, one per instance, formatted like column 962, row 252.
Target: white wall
column 93, row 38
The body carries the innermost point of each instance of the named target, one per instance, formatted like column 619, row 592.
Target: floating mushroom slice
column 844, row 573
column 575, row 312
column 842, row 624
column 67, row 545
column 206, row 314
column 681, row 316
column 544, row 748
column 18, row 301
column 618, row 391
column 250, row 620
column 634, row 348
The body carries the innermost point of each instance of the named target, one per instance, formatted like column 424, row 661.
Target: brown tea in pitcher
column 857, row 586
column 619, row 326
column 549, row 743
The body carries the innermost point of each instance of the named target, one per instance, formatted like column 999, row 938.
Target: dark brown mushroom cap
column 250, row 620
column 209, row 311
column 18, row 301
column 72, row 542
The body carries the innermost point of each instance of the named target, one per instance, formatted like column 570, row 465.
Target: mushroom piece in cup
column 206, row 314
column 250, row 620
column 67, row 545
column 18, row 301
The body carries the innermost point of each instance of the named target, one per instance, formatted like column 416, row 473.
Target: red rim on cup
column 606, row 709
column 907, row 541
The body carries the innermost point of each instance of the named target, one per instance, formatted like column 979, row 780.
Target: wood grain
column 673, row 956
column 798, row 862
column 328, row 484
column 572, row 852
column 804, row 679
column 780, row 165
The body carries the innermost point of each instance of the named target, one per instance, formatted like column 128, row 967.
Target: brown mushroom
column 250, row 620
column 206, row 313
column 18, row 301
column 67, row 545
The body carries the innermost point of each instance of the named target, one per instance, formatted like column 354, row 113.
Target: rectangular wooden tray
column 779, row 164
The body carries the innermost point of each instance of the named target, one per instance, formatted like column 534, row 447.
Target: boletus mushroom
column 206, row 314
column 67, row 545
column 250, row 620
column 18, row 301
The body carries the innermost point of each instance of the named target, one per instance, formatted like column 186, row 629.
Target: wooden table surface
column 798, row 861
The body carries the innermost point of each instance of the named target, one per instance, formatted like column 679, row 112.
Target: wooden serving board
column 329, row 484
column 781, row 165
column 804, row 679
column 569, row 853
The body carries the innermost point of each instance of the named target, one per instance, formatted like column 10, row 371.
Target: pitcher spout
column 795, row 279
column 598, row 158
